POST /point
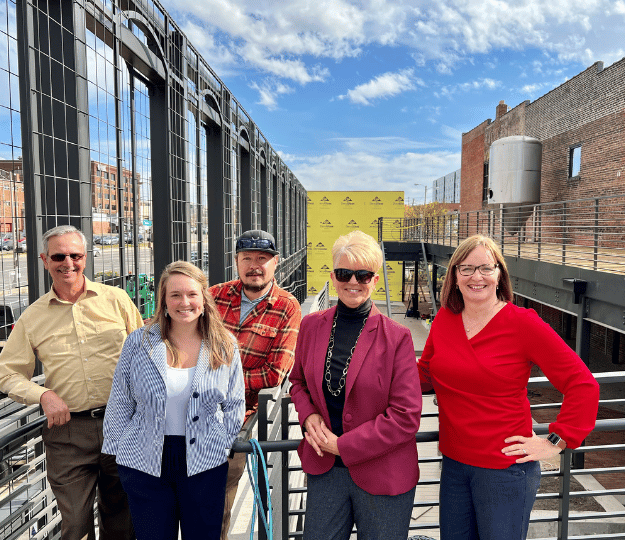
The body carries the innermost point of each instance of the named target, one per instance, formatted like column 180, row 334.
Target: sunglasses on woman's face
column 60, row 257
column 344, row 275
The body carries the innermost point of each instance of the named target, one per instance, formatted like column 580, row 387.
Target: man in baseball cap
column 265, row 320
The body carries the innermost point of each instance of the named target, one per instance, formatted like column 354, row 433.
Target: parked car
column 194, row 257
column 110, row 240
column 7, row 243
column 130, row 238
column 21, row 245
column 97, row 251
column 11, row 307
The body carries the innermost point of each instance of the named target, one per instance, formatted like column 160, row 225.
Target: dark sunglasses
column 258, row 243
column 60, row 257
column 362, row 276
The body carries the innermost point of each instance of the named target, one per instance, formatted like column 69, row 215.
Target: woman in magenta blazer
column 355, row 386
column 478, row 358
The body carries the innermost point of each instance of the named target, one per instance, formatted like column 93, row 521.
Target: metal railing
column 321, row 300
column 277, row 420
column 585, row 233
column 27, row 504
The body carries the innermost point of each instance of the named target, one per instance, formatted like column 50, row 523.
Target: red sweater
column 481, row 384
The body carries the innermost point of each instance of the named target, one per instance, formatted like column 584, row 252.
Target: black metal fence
column 28, row 509
column 279, row 434
column 584, row 233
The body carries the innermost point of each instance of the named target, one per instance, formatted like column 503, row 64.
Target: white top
column 178, row 384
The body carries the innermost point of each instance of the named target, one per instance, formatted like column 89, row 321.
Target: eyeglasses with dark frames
column 257, row 243
column 469, row 269
column 362, row 276
column 60, row 257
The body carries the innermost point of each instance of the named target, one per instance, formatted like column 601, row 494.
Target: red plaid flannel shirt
column 266, row 339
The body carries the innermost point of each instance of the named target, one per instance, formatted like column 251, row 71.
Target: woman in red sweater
column 477, row 359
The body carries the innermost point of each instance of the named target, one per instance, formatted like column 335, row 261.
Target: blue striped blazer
column 134, row 423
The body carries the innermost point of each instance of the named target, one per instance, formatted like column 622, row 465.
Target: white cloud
column 381, row 145
column 361, row 170
column 285, row 68
column 468, row 86
column 297, row 40
column 269, row 92
column 383, row 86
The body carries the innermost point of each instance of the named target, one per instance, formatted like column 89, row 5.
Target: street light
column 425, row 196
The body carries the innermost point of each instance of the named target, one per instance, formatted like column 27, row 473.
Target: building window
column 575, row 161
column 485, row 185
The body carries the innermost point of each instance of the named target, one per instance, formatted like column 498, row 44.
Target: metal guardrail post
column 565, row 498
column 596, row 237
column 564, row 232
column 539, row 219
column 262, row 420
column 284, row 421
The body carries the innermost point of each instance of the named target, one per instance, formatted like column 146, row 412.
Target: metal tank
column 514, row 178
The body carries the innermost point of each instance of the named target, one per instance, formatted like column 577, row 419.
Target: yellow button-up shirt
column 78, row 345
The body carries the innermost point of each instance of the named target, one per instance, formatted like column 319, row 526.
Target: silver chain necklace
column 328, row 376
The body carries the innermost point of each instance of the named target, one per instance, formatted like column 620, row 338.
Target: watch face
column 554, row 438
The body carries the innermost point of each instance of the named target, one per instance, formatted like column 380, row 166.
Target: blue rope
column 252, row 471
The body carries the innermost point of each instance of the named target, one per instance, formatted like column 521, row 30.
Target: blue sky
column 376, row 94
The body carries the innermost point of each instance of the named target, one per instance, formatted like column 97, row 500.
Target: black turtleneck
column 349, row 322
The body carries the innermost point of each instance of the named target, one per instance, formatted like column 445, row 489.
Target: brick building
column 11, row 197
column 581, row 125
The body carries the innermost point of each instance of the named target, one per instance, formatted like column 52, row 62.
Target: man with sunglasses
column 76, row 331
column 265, row 319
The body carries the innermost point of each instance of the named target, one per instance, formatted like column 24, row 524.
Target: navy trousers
column 159, row 505
column 334, row 503
column 487, row 504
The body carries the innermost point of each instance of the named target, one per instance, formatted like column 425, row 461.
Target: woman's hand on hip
column 532, row 448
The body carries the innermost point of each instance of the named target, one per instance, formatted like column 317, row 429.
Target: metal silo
column 514, row 178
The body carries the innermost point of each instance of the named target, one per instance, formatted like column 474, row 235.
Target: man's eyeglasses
column 344, row 275
column 257, row 243
column 60, row 257
column 469, row 269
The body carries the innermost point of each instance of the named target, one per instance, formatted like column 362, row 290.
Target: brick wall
column 472, row 168
column 587, row 110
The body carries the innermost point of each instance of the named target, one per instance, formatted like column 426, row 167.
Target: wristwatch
column 556, row 440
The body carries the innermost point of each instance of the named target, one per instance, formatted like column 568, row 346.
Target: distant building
column 447, row 188
column 11, row 197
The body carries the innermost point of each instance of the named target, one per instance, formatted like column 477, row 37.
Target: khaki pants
column 76, row 467
column 236, row 468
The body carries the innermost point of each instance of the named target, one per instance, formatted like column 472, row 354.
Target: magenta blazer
column 382, row 405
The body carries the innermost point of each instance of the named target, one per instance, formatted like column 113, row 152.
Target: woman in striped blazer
column 176, row 405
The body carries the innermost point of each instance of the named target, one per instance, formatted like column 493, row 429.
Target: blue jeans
column 487, row 504
column 334, row 503
column 159, row 505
